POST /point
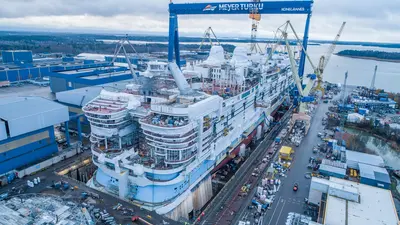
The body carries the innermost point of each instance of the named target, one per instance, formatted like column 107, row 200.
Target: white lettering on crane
column 237, row 7
column 301, row 9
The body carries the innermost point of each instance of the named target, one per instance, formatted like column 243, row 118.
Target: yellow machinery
column 285, row 153
column 323, row 61
column 256, row 17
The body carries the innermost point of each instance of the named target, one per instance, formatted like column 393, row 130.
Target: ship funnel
column 180, row 80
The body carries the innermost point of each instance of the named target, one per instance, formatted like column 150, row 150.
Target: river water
column 380, row 147
column 360, row 71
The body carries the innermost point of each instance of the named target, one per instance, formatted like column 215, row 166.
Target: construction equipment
column 323, row 61
column 265, row 7
column 208, row 34
column 373, row 79
column 282, row 34
column 343, row 111
column 343, row 93
column 121, row 45
column 256, row 17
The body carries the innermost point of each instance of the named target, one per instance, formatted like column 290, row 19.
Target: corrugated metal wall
column 57, row 84
column 23, row 56
column 3, row 132
column 37, row 121
column 23, row 150
column 21, row 142
column 374, row 183
column 28, row 158
column 31, row 72
column 7, row 56
column 3, row 76
column 331, row 174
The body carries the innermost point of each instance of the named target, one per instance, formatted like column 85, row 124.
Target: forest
column 370, row 54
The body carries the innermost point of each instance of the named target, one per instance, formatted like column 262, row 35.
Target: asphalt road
column 219, row 210
column 287, row 200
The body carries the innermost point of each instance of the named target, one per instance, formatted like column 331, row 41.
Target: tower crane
column 209, row 34
column 373, row 79
column 282, row 35
column 343, row 94
column 343, row 111
column 323, row 61
column 256, row 17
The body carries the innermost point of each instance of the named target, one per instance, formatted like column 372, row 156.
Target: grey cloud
column 107, row 8
column 363, row 17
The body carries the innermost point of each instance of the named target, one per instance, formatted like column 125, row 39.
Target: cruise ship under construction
column 157, row 142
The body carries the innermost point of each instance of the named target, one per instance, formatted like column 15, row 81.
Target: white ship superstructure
column 158, row 147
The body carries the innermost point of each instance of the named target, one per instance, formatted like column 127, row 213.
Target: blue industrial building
column 20, row 66
column 332, row 171
column 27, row 130
column 78, row 78
column 374, row 176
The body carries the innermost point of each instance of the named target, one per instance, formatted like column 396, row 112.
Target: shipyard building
column 27, row 130
column 365, row 168
column 100, row 74
column 22, row 66
column 346, row 202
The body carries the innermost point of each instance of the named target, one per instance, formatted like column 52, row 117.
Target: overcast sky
column 367, row 20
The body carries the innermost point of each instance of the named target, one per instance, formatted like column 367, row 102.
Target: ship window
column 173, row 155
column 110, row 166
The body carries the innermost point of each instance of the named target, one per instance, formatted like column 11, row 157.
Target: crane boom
column 373, row 78
column 301, row 45
column 331, row 49
column 323, row 61
column 293, row 65
column 207, row 35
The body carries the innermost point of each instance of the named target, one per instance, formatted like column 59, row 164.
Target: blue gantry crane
column 262, row 7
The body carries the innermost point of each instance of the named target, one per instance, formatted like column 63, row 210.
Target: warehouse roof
column 376, row 206
column 374, row 160
column 332, row 169
column 20, row 107
column 27, row 114
column 374, row 172
column 81, row 96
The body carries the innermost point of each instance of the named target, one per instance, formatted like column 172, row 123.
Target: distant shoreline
column 370, row 58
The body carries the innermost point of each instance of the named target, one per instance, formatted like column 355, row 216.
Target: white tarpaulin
column 216, row 56
column 355, row 117
column 239, row 58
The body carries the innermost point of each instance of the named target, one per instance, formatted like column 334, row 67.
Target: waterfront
column 380, row 147
column 360, row 70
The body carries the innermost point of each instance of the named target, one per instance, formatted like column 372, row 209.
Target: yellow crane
column 323, row 61
column 256, row 17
